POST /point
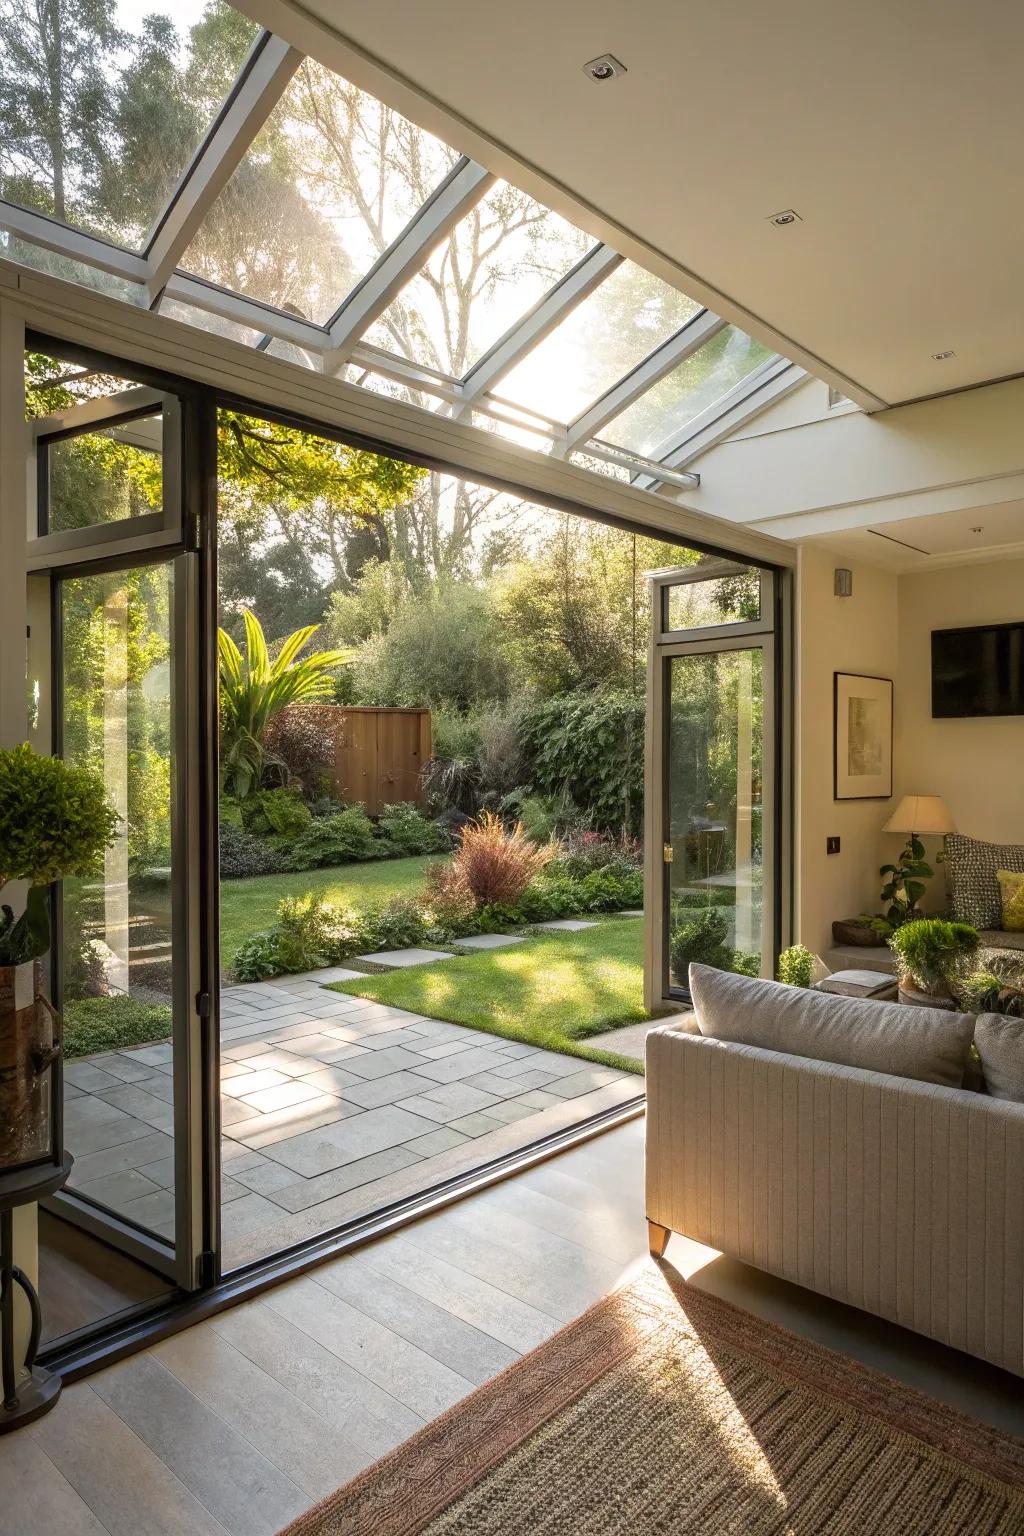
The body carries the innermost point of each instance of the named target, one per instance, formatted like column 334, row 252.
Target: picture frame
column 862, row 727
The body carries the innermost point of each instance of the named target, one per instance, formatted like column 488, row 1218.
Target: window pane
column 203, row 320
column 13, row 248
column 333, row 177
column 500, row 259
column 623, row 320
column 732, row 596
column 661, row 414
column 98, row 132
column 105, row 476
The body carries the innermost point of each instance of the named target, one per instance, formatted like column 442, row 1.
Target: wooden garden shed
column 378, row 754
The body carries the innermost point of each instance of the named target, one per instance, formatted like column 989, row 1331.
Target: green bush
column 311, row 932
column 796, row 966
column 933, row 954
column 589, row 749
column 112, row 1024
column 702, row 941
column 345, row 838
column 275, row 811
column 454, row 735
column 443, row 649
column 242, row 855
column 400, row 924
column 539, row 814
column 408, row 832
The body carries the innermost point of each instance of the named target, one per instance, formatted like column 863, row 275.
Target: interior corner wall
column 835, row 634
column 974, row 764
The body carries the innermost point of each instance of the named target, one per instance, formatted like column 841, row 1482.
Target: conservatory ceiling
column 201, row 167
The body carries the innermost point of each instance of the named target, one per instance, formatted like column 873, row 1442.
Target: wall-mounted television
column 978, row 671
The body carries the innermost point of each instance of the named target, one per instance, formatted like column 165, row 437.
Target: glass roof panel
column 331, row 180
column 494, row 266
column 13, row 248
column 700, row 379
column 600, row 341
column 203, row 320
column 98, row 131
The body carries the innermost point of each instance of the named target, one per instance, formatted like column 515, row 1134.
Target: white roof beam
column 250, row 312
column 636, row 383
column 264, row 77
column 538, row 322
column 65, row 241
column 460, row 191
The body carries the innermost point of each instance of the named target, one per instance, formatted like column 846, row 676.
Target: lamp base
column 35, row 1397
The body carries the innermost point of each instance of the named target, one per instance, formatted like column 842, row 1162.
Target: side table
column 29, row 1399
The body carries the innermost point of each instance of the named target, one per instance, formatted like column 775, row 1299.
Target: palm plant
column 255, row 688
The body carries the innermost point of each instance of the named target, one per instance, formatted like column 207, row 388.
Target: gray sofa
column 896, row 1195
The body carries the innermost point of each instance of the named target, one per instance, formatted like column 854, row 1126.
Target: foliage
column 452, row 783
column 702, row 941
column 112, row 1024
column 55, row 821
column 499, row 754
column 589, row 748
column 400, row 924
column 242, row 854
column 904, row 883
column 254, row 690
column 933, row 954
column 455, row 735
column 449, row 902
column 584, row 850
column 408, row 832
column 538, row 815
column 302, row 737
column 498, row 865
column 444, row 649
column 310, row 932
column 343, row 838
column 986, row 992
column 279, row 811
column 796, row 966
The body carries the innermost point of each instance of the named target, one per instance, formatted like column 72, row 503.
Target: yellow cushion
column 1011, row 892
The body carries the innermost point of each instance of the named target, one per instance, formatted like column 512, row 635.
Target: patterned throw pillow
column 1011, row 889
column 971, row 871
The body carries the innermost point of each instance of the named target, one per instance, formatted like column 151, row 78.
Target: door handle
column 666, row 853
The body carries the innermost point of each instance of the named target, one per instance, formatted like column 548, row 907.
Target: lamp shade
column 920, row 813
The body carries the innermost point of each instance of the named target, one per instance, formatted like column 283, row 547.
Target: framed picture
column 862, row 737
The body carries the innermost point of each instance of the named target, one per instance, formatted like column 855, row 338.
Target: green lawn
column 249, row 906
column 553, row 990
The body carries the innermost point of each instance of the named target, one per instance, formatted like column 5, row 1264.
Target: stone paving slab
column 490, row 941
column 398, row 959
column 564, row 925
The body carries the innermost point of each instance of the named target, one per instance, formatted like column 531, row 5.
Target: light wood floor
column 240, row 1423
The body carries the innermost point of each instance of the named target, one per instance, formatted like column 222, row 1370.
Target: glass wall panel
column 729, row 597
column 331, row 180
column 493, row 267
column 103, row 107
column 714, row 816
column 668, row 406
column 615, row 328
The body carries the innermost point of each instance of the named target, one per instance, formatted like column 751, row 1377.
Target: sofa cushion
column 1000, row 1044
column 971, row 872
column 927, row 1044
column 1011, row 895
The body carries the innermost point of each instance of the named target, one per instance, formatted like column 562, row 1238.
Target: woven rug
column 663, row 1409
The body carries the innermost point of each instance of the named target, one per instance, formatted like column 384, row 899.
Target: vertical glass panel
column 732, row 595
column 333, row 177
column 660, row 415
column 102, row 107
column 630, row 314
column 498, row 261
column 117, row 953
column 106, row 476
column 715, row 704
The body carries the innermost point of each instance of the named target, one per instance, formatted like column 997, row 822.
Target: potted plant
column 55, row 820
column 933, row 957
column 796, row 966
column 904, row 884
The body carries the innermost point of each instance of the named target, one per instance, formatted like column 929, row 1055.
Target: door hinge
column 203, row 1004
column 206, row 1270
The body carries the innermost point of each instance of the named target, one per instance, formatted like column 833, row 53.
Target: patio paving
column 398, row 959
column 331, row 1105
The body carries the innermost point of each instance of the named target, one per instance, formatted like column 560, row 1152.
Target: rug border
column 399, row 1494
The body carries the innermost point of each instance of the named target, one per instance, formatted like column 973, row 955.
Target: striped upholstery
column 900, row 1197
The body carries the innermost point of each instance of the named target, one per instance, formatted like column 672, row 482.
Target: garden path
column 331, row 1107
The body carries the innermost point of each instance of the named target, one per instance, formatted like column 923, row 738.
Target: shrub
column 499, row 755
column 589, row 748
column 400, row 924
column 345, row 838
column 409, row 832
column 933, row 954
column 277, row 811
column 584, row 851
column 112, row 1023
column 309, row 932
column 242, row 855
column 701, row 941
column 610, row 890
column 796, row 966
column 451, row 783
column 498, row 865
column 303, row 737
column 448, row 902
column 454, row 734
column 257, row 958
column 442, row 649
column 538, row 814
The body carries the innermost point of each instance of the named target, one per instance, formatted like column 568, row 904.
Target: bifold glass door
column 711, row 826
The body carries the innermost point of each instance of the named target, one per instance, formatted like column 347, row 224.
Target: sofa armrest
column 896, row 1196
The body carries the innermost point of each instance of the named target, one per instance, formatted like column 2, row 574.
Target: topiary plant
column 55, row 821
column 796, row 966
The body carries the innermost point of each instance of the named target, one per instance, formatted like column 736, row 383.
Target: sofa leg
column 657, row 1239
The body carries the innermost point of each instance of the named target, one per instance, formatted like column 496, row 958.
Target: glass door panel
column 714, row 845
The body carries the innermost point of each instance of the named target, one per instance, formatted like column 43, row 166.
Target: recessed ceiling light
column 605, row 67
column 787, row 216
column 978, row 529
column 940, row 357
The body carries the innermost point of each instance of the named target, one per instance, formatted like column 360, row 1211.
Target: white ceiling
column 963, row 537
column 894, row 130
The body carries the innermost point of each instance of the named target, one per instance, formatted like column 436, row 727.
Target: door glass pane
column 731, row 596
column 715, row 746
column 117, row 950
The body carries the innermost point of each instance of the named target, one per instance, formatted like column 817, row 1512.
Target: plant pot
column 915, row 999
column 849, row 930
column 28, row 1049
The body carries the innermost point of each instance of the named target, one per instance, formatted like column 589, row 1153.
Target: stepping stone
column 322, row 977
column 633, row 912
column 489, row 941
column 397, row 959
column 565, row 925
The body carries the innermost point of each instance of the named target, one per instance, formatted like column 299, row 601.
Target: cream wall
column 835, row 634
column 977, row 766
